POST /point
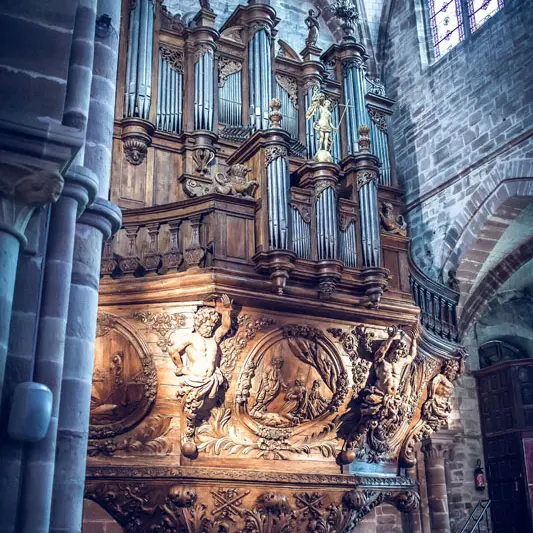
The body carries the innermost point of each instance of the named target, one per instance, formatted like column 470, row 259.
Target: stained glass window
column 446, row 24
column 481, row 10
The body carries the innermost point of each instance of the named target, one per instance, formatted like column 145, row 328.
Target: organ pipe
column 278, row 185
column 289, row 112
column 230, row 100
column 380, row 145
column 260, row 72
column 301, row 236
column 354, row 85
column 326, row 223
column 139, row 62
column 348, row 246
column 310, row 133
column 169, row 113
column 204, row 104
column 368, row 204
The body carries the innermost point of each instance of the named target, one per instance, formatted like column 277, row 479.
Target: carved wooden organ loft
column 256, row 363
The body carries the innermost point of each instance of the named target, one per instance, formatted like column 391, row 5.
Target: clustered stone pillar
column 434, row 450
column 98, row 223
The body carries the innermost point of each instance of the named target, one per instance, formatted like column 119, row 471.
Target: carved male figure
column 270, row 386
column 200, row 378
column 437, row 407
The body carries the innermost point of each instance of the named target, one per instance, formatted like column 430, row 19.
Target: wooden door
column 502, row 421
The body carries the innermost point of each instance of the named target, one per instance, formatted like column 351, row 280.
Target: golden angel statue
column 324, row 126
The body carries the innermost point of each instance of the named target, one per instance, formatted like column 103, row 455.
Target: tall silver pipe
column 260, row 78
column 369, row 224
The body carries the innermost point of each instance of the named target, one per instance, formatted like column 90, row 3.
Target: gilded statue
column 324, row 125
column 200, row 378
column 390, row 222
column 313, row 25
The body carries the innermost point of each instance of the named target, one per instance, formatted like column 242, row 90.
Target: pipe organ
column 257, row 339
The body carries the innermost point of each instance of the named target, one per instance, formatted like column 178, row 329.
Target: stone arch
column 97, row 520
column 479, row 301
column 509, row 186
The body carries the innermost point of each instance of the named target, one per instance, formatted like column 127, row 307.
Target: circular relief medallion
column 124, row 379
column 294, row 377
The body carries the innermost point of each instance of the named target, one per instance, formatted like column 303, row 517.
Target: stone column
column 36, row 497
column 413, row 518
column 97, row 223
column 434, row 450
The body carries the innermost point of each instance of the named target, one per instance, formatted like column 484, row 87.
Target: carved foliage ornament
column 201, row 50
column 227, row 67
column 173, row 57
column 274, row 152
column 365, row 176
column 162, row 324
column 378, row 118
column 163, row 509
column 290, row 86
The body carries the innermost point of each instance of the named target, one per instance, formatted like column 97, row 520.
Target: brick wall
column 96, row 520
column 456, row 119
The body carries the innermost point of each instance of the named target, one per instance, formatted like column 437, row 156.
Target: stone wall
column 456, row 119
column 35, row 39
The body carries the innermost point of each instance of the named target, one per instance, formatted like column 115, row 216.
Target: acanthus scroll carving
column 201, row 50
column 274, row 152
column 227, row 67
column 378, row 118
column 162, row 324
column 290, row 86
column 173, row 57
column 365, row 176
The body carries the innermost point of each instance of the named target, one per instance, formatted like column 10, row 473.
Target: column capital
column 438, row 444
column 104, row 216
column 33, row 155
column 81, row 184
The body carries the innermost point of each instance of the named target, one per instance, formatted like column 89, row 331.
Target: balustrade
column 437, row 303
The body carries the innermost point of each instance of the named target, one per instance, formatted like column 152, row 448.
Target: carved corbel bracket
column 329, row 273
column 278, row 264
column 375, row 281
column 137, row 137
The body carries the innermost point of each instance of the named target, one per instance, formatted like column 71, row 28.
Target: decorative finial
column 347, row 12
column 364, row 139
column 275, row 115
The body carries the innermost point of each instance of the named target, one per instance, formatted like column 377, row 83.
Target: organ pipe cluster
column 230, row 100
column 354, row 86
column 278, row 186
column 169, row 116
column 139, row 62
column 301, row 235
column 368, row 205
column 204, row 96
column 348, row 246
column 326, row 224
column 380, row 147
column 290, row 112
column 260, row 71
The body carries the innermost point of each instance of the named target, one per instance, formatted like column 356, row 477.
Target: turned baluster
column 130, row 262
column 152, row 258
column 173, row 257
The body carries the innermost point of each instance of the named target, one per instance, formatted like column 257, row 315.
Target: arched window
column 453, row 20
column 494, row 352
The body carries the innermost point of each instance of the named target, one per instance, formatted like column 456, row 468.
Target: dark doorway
column 506, row 405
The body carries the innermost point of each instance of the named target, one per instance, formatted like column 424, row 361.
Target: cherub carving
column 235, row 183
column 390, row 222
column 269, row 388
column 200, row 378
column 437, row 407
column 314, row 26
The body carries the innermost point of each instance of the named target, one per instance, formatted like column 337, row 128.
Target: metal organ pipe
column 289, row 111
column 310, row 136
column 230, row 100
column 139, row 62
column 327, row 227
column 368, row 202
column 348, row 246
column 380, row 147
column 278, row 185
column 301, row 240
column 260, row 68
column 203, row 91
column 354, row 84
column 169, row 110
